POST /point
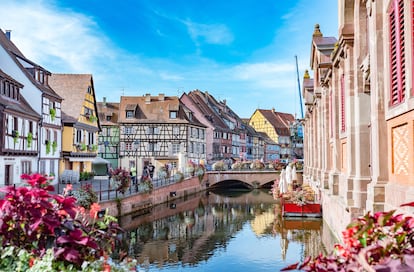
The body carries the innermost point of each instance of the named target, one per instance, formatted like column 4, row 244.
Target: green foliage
column 47, row 147
column 52, row 112
column 54, row 146
column 16, row 136
column 29, row 139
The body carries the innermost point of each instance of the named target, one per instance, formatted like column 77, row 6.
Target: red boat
column 291, row 209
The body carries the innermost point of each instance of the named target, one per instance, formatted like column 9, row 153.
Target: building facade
column 359, row 111
column 35, row 89
column 159, row 130
column 108, row 143
column 80, row 122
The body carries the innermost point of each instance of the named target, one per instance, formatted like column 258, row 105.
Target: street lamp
column 136, row 143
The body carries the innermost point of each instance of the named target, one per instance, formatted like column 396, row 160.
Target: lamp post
column 136, row 143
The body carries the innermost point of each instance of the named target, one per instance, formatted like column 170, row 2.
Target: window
column 108, row 118
column 128, row 130
column 91, row 137
column 26, row 167
column 175, row 148
column 78, row 136
column 173, row 114
column 15, row 124
column 89, row 90
column 128, row 146
column 176, row 130
column 129, row 114
column 397, row 52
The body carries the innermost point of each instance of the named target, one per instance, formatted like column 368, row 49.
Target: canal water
column 220, row 231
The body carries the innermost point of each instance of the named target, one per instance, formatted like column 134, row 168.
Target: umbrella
column 294, row 174
column 288, row 174
column 282, row 182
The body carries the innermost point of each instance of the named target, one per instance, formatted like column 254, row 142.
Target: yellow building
column 276, row 126
column 80, row 123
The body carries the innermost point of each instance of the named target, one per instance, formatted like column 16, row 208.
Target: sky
column 240, row 51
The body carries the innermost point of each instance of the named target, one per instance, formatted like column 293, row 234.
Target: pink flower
column 95, row 208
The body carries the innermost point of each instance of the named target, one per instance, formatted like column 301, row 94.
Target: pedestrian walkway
column 105, row 191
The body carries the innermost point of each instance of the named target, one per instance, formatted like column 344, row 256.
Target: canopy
column 99, row 160
column 288, row 174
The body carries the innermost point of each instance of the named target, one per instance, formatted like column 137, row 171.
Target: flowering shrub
column 379, row 242
column 85, row 196
column 257, row 165
column 43, row 222
column 219, row 166
column 121, row 179
column 146, row 185
column 178, row 177
column 199, row 172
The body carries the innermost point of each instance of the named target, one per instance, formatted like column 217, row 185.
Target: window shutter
column 397, row 52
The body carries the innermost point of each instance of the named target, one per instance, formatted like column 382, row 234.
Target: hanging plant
column 54, row 146
column 52, row 112
column 15, row 136
column 29, row 139
column 83, row 147
column 93, row 118
column 47, row 146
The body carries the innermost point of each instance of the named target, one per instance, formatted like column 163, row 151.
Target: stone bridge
column 251, row 179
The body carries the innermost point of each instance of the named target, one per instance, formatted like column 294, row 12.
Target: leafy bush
column 121, row 179
column 44, row 222
column 85, row 196
column 379, row 242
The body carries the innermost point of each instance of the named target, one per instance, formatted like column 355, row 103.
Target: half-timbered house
column 161, row 130
column 42, row 98
column 80, row 122
column 19, row 125
column 108, row 144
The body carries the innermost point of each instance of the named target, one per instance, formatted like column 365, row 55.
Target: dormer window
column 108, row 118
column 89, row 90
column 129, row 114
column 173, row 114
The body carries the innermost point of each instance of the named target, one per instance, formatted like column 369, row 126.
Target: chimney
column 161, row 97
column 147, row 98
column 8, row 34
column 104, row 101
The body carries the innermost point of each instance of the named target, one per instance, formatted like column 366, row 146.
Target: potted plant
column 15, row 135
column 29, row 139
column 52, row 112
column 54, row 146
column 120, row 179
column 47, row 142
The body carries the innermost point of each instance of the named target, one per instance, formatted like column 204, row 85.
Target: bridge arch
column 252, row 179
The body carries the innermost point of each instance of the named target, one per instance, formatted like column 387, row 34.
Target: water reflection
column 236, row 231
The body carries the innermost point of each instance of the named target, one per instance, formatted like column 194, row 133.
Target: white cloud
column 213, row 34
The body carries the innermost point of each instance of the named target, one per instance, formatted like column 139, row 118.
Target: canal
column 236, row 230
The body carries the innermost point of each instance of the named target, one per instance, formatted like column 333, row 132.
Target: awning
column 99, row 160
column 80, row 159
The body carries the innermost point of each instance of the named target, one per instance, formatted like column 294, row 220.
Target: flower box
column 305, row 210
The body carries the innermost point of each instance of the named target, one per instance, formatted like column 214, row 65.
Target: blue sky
column 241, row 51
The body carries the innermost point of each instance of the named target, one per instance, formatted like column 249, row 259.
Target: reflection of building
column 263, row 222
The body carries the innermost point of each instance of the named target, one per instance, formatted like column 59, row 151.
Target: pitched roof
column 73, row 88
column 20, row 105
column 17, row 55
column 154, row 109
column 279, row 120
column 108, row 109
column 205, row 103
